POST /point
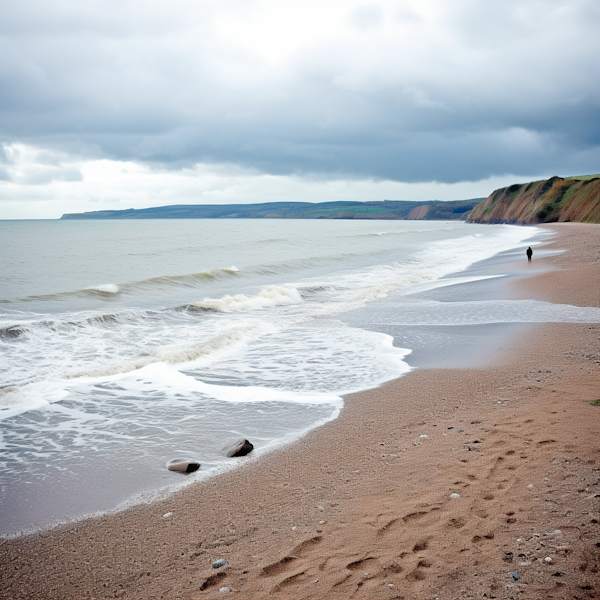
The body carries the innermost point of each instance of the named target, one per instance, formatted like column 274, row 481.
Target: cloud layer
column 396, row 91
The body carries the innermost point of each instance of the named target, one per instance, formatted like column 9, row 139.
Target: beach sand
column 363, row 507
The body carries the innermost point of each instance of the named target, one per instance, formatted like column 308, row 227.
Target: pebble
column 322, row 522
column 548, row 559
column 516, row 576
column 219, row 563
column 423, row 437
column 224, row 590
column 554, row 533
column 454, row 496
column 182, row 465
column 167, row 515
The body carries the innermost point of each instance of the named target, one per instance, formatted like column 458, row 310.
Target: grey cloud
column 504, row 88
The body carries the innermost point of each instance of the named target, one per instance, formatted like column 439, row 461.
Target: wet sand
column 364, row 508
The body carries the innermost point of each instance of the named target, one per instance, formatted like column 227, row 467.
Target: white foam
column 17, row 400
column 107, row 288
column 269, row 296
column 172, row 381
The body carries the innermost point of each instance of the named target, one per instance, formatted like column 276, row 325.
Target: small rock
column 554, row 533
column 167, row 515
column 530, row 486
column 219, row 563
column 322, row 522
column 424, row 437
column 548, row 559
column 224, row 590
column 183, row 466
column 454, row 496
column 240, row 447
column 516, row 576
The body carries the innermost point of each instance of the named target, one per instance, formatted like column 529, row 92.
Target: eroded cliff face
column 548, row 201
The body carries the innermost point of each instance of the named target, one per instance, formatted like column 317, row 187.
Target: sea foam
column 269, row 296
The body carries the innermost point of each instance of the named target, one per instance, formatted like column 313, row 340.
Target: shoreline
column 105, row 488
column 366, row 494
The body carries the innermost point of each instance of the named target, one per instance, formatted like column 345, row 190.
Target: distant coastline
column 558, row 199
column 386, row 209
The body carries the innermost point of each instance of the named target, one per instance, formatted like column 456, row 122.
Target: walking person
column 529, row 253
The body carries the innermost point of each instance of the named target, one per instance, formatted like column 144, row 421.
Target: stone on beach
column 219, row 563
column 240, row 447
column 183, row 466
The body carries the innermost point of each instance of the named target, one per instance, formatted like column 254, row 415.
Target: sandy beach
column 445, row 483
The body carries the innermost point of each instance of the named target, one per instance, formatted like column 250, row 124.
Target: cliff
column 386, row 209
column 548, row 201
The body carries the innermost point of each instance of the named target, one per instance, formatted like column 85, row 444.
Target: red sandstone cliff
column 547, row 201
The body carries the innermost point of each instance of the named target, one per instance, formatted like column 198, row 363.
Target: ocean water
column 125, row 344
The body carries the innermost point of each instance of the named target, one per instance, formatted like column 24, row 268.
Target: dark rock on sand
column 240, row 447
column 183, row 466
column 219, row 563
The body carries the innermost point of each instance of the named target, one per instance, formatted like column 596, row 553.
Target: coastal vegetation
column 386, row 209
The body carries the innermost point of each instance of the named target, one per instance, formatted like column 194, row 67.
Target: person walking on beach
column 529, row 252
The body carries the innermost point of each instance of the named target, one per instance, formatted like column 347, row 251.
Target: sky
column 118, row 104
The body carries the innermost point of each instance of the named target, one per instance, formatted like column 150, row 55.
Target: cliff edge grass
column 553, row 200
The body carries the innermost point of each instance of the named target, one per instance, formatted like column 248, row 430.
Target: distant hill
column 547, row 201
column 386, row 209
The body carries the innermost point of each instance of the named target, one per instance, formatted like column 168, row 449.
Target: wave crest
column 107, row 288
column 271, row 295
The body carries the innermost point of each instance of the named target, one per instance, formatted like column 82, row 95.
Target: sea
column 125, row 344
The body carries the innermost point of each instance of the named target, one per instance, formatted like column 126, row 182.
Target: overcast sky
column 130, row 103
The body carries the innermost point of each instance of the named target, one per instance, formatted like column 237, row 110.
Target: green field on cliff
column 386, row 209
